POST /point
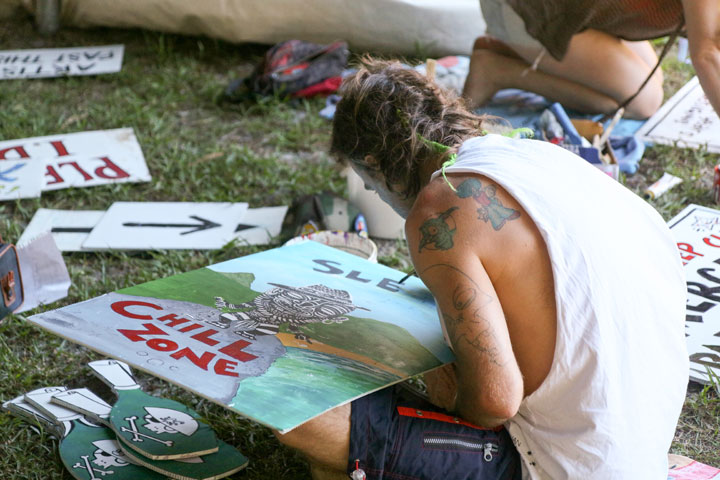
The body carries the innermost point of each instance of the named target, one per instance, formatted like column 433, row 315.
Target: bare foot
column 495, row 45
column 491, row 64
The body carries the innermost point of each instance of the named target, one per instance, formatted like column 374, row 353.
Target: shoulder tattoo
column 490, row 209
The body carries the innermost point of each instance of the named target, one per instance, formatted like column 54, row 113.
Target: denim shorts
column 397, row 435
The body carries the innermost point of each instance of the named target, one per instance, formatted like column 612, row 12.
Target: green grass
column 266, row 154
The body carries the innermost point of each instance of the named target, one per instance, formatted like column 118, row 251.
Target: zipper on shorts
column 456, row 443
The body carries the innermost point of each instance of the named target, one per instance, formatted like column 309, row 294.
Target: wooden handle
column 117, row 375
column 40, row 399
column 85, row 402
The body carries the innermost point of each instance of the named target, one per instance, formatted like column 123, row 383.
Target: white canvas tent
column 432, row 27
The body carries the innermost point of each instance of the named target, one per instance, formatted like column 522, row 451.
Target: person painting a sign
column 566, row 319
column 587, row 54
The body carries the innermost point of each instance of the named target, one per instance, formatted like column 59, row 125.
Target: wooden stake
column 430, row 65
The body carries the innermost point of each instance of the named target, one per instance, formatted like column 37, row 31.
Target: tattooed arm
column 443, row 231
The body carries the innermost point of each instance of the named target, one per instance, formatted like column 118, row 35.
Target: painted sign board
column 308, row 324
column 166, row 225
column 60, row 62
column 69, row 228
column 21, row 179
column 687, row 119
column 82, row 159
column 260, row 225
column 697, row 231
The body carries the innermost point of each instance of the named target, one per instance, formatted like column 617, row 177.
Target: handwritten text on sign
column 60, row 62
column 697, row 231
column 82, row 159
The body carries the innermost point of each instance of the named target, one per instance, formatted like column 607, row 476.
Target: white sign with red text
column 60, row 62
column 83, row 159
column 21, row 179
column 697, row 231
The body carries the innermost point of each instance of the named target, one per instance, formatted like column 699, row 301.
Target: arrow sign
column 71, row 229
column 204, row 225
column 243, row 226
column 167, row 225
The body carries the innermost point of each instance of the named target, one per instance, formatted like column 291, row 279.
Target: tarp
column 426, row 27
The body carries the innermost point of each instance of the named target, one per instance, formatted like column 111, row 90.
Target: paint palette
column 226, row 461
column 157, row 428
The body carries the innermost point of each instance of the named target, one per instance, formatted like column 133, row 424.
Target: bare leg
column 598, row 72
column 325, row 441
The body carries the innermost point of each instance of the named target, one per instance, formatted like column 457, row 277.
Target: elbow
column 706, row 60
column 495, row 408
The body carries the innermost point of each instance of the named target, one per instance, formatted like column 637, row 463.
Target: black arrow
column 205, row 225
column 243, row 226
column 71, row 229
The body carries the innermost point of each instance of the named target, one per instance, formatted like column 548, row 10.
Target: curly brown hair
column 393, row 113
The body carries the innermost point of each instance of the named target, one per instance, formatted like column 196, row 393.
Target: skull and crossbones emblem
column 161, row 421
column 108, row 454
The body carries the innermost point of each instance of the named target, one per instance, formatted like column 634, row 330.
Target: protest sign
column 687, row 119
column 279, row 336
column 697, row 231
column 60, row 62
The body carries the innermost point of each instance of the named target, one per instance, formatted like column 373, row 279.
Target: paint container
column 349, row 242
column 665, row 183
column 382, row 220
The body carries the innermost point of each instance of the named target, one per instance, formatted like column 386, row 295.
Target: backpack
column 294, row 68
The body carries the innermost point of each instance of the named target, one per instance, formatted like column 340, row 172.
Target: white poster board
column 166, row 225
column 697, row 231
column 82, row 159
column 60, row 62
column 687, row 119
column 259, row 225
column 21, row 179
column 69, row 228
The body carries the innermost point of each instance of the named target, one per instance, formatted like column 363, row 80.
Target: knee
column 646, row 103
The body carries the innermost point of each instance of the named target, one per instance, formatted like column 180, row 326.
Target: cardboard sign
column 308, row 324
column 697, row 231
column 60, row 62
column 21, row 179
column 687, row 119
column 83, row 159
column 69, row 228
column 166, row 225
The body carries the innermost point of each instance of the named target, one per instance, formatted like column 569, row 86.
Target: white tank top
column 610, row 404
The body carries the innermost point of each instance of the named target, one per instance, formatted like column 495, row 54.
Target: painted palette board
column 697, row 231
column 21, row 179
column 259, row 225
column 82, row 159
column 69, row 228
column 308, row 324
column 226, row 461
column 166, row 225
column 684, row 468
column 88, row 451
column 60, row 62
column 687, row 119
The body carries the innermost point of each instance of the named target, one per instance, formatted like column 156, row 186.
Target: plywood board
column 279, row 336
column 60, row 62
column 687, row 119
column 166, row 225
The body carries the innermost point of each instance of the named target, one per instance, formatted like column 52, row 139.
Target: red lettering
column 234, row 350
column 60, row 148
column 202, row 361
column 190, row 328
column 707, row 241
column 86, row 176
column 204, row 337
column 137, row 335
column 120, row 307
column 19, row 150
column 222, row 367
column 174, row 321
column 51, row 172
column 109, row 165
column 162, row 345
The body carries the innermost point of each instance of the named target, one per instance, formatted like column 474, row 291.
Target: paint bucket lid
column 347, row 241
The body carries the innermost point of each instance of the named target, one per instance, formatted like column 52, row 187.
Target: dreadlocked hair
column 394, row 114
